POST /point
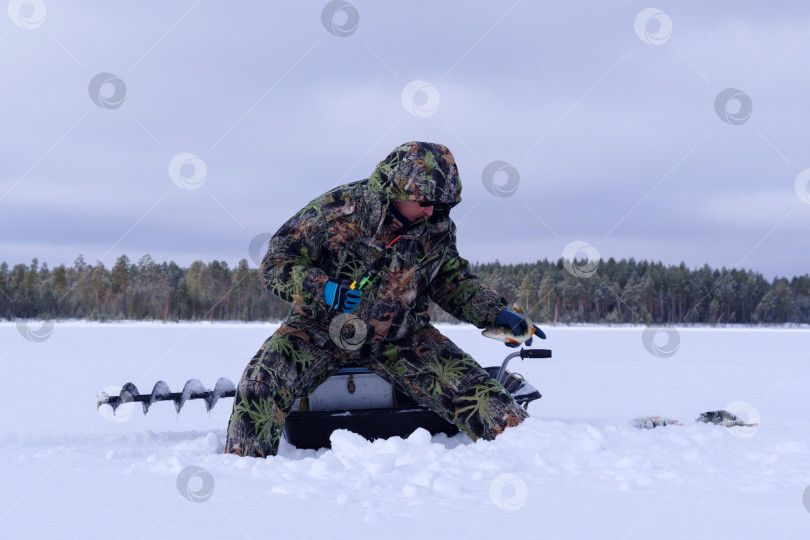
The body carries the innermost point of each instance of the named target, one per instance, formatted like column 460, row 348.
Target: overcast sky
column 186, row 129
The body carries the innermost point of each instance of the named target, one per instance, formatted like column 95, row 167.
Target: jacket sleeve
column 290, row 267
column 457, row 291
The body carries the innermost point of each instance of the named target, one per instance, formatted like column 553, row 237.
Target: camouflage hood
column 418, row 171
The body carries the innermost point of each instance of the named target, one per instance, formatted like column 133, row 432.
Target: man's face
column 413, row 210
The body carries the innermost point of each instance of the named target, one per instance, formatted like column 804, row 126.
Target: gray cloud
column 611, row 136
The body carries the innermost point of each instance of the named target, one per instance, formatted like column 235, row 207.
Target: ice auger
column 193, row 389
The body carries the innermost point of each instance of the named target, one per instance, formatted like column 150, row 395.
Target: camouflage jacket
column 339, row 234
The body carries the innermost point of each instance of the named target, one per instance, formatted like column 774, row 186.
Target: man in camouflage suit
column 328, row 245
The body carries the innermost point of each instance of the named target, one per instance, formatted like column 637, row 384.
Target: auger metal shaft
column 193, row 389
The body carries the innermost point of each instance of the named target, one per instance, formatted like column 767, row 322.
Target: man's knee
column 285, row 367
column 483, row 408
column 256, row 421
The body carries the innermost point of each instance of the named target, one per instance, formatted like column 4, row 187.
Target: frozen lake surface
column 575, row 469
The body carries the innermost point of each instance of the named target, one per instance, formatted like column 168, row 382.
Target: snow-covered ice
column 576, row 469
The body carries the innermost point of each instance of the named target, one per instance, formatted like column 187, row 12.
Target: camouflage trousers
column 426, row 365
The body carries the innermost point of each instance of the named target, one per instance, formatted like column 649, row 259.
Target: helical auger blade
column 193, row 389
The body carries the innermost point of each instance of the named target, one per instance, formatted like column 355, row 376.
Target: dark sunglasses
column 423, row 204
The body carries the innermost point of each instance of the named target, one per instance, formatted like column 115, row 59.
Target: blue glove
column 517, row 323
column 339, row 296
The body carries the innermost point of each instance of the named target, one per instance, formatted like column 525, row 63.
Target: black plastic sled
column 358, row 400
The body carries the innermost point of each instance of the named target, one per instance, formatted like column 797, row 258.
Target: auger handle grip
column 535, row 353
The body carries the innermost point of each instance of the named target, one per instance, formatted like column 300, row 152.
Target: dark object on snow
column 716, row 417
column 722, row 417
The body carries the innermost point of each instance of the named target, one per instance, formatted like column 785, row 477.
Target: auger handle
column 522, row 353
column 535, row 353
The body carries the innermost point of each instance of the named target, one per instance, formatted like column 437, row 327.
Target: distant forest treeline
column 625, row 291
